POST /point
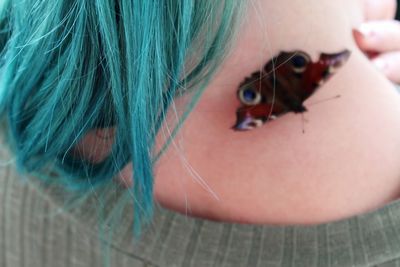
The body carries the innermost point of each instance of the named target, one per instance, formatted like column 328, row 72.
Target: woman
column 272, row 175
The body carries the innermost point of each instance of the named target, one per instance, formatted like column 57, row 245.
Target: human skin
column 381, row 34
column 348, row 160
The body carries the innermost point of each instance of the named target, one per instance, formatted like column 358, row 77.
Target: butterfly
column 283, row 85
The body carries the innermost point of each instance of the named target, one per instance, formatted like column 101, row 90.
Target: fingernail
column 366, row 30
column 380, row 64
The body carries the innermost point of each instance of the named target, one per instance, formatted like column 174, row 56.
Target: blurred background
column 398, row 10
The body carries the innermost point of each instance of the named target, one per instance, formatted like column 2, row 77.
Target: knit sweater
column 34, row 232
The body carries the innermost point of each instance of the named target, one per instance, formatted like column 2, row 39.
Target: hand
column 379, row 37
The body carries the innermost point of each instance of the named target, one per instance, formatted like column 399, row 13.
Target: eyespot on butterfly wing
column 283, row 85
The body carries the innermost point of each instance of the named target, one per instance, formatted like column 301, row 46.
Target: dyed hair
column 71, row 66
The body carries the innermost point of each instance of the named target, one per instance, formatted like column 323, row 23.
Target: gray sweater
column 34, row 232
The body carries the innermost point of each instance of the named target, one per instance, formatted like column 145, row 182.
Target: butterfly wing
column 285, row 82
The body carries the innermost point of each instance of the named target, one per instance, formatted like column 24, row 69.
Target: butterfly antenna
column 324, row 100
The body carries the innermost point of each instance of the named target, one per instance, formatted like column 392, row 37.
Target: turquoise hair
column 71, row 66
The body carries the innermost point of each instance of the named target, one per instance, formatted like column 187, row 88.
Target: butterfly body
column 283, row 85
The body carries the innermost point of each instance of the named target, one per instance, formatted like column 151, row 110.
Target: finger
column 389, row 64
column 380, row 9
column 379, row 36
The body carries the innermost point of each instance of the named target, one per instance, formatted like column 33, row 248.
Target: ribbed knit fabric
column 34, row 233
